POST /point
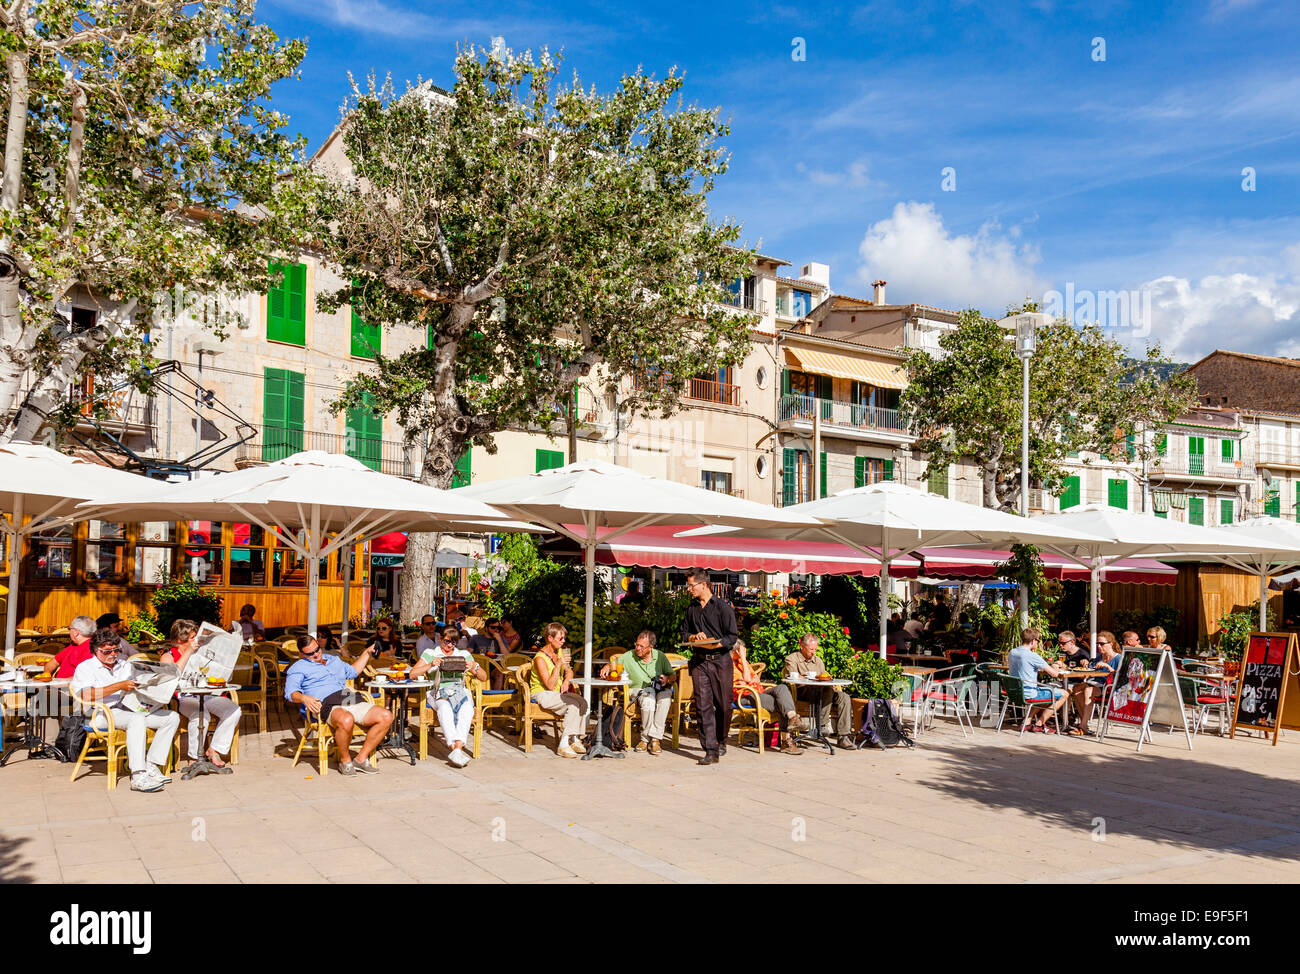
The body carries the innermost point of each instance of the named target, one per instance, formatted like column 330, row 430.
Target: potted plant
column 872, row 678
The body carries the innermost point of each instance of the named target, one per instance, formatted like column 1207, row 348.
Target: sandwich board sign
column 1268, row 694
column 1145, row 691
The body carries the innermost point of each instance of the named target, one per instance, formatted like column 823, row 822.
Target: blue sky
column 1117, row 174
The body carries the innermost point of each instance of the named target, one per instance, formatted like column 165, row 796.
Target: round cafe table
column 600, row 749
column 815, row 736
column 37, row 710
column 398, row 738
column 202, row 765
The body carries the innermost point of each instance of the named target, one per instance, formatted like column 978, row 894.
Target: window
column 51, row 554
column 282, row 410
column 365, row 338
column 1162, row 444
column 871, row 470
column 1273, row 502
column 365, row 434
column 1070, row 493
column 204, row 552
column 715, row 480
column 286, row 305
column 549, row 459
column 938, row 481
column 1225, row 510
column 800, row 303
column 1196, row 454
column 105, row 551
column 463, row 474
column 796, row 483
column 247, row 555
column 1117, row 493
column 1228, row 450
column 1196, row 510
column 155, row 552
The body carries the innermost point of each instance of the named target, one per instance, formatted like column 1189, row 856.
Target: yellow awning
column 884, row 375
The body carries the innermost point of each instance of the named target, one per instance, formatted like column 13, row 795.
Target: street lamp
column 1023, row 326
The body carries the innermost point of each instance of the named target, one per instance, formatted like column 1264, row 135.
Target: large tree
column 135, row 129
column 1085, row 394
column 541, row 235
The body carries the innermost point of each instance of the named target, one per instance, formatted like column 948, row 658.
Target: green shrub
column 142, row 624
column 873, row 677
column 184, row 598
column 617, row 624
column 777, row 625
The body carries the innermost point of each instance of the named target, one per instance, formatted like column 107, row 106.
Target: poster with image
column 1135, row 683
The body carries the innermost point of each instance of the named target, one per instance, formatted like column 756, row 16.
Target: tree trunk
column 15, row 345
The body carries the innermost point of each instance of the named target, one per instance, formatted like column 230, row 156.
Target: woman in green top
column 650, row 680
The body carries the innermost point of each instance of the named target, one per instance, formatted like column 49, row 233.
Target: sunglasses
column 309, row 652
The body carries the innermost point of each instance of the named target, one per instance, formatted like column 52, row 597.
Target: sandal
column 1036, row 728
column 1046, row 729
column 1076, row 731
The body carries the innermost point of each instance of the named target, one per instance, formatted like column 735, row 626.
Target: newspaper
column 154, row 686
column 215, row 658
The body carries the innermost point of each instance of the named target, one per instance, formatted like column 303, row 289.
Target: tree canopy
column 540, row 235
column 1085, row 395
column 136, row 130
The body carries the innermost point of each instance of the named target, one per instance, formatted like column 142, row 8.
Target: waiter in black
column 712, row 619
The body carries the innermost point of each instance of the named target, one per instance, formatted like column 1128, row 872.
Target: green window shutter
column 1162, row 514
column 821, row 476
column 282, row 413
column 1225, row 511
column 1196, row 510
column 1162, row 444
column 365, row 435
column 1226, row 450
column 888, row 470
column 785, row 382
column 549, row 459
column 1070, row 496
column 789, row 477
column 938, row 481
column 1273, row 502
column 462, row 475
column 286, row 305
column 1117, row 493
column 365, row 338
column 1196, row 454
column 859, row 471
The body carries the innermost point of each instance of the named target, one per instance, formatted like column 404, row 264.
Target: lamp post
column 1024, row 327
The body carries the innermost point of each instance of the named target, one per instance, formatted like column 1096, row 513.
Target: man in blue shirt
column 318, row 683
column 1025, row 664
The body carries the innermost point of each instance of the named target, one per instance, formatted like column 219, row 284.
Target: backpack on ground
column 72, row 736
column 612, row 723
column 881, row 726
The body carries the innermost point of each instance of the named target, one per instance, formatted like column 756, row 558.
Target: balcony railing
column 699, row 390
column 271, row 443
column 733, row 492
column 749, row 302
column 1201, row 465
column 802, row 408
column 707, row 390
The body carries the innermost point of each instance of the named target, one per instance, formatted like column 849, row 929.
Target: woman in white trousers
column 452, row 701
column 185, row 640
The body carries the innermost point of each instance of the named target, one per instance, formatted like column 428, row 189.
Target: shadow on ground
column 1179, row 800
column 13, row 866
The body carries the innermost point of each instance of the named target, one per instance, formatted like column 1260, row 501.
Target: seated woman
column 184, row 641
column 327, row 641
column 451, row 700
column 1156, row 640
column 1085, row 690
column 550, row 684
column 386, row 641
column 774, row 699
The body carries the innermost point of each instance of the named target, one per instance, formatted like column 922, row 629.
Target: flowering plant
column 776, row 626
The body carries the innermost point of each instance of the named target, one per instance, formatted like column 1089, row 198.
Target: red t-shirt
column 71, row 657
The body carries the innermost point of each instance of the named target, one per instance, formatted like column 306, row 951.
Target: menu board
column 1134, row 687
column 1268, row 671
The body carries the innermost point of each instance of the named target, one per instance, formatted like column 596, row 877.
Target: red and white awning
column 977, row 563
column 657, row 547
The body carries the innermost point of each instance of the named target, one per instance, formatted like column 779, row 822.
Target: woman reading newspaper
column 184, row 642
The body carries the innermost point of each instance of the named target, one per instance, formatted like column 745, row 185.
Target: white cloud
column 925, row 263
column 1242, row 312
column 854, row 177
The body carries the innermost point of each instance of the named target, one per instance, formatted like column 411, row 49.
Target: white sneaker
column 458, row 757
column 143, row 781
column 156, row 773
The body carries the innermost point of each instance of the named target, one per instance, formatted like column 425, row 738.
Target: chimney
column 878, row 296
column 816, row 274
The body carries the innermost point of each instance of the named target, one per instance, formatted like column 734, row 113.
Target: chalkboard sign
column 1268, row 671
